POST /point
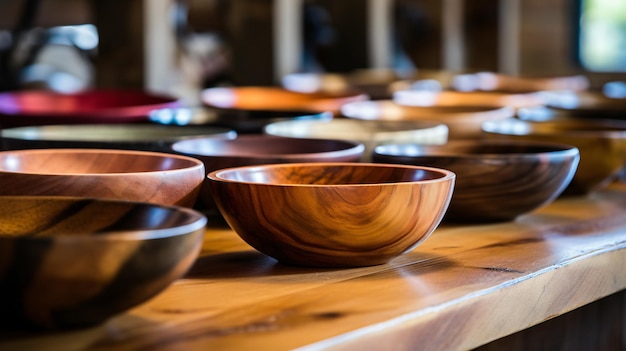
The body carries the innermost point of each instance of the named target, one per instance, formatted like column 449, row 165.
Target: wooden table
column 463, row 287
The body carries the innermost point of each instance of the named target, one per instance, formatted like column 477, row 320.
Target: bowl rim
column 195, row 222
column 194, row 163
column 444, row 175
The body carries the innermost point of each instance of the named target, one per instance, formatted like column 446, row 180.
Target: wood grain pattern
column 116, row 174
column 463, row 287
column 75, row 262
column 496, row 180
column 332, row 214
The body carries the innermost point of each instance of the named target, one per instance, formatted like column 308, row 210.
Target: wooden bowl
column 585, row 104
column 475, row 98
column 332, row 214
column 75, row 262
column 496, row 180
column 369, row 133
column 491, row 81
column 253, row 149
column 147, row 137
column 464, row 122
column 277, row 99
column 115, row 174
column 602, row 145
column 29, row 108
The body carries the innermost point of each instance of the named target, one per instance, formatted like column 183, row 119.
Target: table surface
column 508, row 276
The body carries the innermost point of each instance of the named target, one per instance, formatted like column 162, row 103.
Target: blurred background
column 180, row 47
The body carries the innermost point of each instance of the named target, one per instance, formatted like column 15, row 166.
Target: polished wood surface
column 463, row 287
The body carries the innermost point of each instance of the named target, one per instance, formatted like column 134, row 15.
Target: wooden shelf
column 463, row 287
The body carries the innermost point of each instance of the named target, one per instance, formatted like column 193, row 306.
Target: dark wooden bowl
column 146, row 137
column 602, row 145
column 29, row 108
column 464, row 122
column 252, row 149
column 75, row 262
column 116, row 174
column 496, row 180
column 333, row 214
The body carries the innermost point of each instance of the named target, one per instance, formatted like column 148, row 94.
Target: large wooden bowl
column 602, row 145
column 75, row 262
column 369, row 133
column 252, row 149
column 464, row 122
column 277, row 99
column 115, row 174
column 333, row 214
column 147, row 137
column 28, row 108
column 496, row 180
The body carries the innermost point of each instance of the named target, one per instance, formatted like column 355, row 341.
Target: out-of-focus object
column 490, row 81
column 72, row 263
column 144, row 176
column 586, row 104
column 28, row 108
column 333, row 214
column 413, row 97
column 602, row 145
column 496, row 180
column 147, row 137
column 464, row 122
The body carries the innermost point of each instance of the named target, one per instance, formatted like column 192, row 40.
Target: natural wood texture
column 464, row 122
column 74, row 262
column 602, row 145
column 496, row 180
column 463, row 287
column 114, row 174
column 332, row 214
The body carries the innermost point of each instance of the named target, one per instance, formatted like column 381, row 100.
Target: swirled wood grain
column 496, row 181
column 117, row 174
column 75, row 262
column 333, row 214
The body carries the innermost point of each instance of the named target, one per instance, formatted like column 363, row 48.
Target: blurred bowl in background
column 464, row 122
column 72, row 263
column 585, row 104
column 496, row 180
column 413, row 97
column 148, row 137
column 333, row 214
column 143, row 176
column 369, row 133
column 602, row 145
column 491, row 81
column 29, row 108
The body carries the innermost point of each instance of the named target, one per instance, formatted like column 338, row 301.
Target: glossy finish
column 602, row 145
column 585, row 104
column 277, row 99
column 148, row 137
column 496, row 180
column 333, row 215
column 28, row 108
column 464, row 122
column 262, row 149
column 74, row 262
column 370, row 133
column 475, row 98
column 116, row 174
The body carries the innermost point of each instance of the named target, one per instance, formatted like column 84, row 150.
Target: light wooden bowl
column 496, row 180
column 115, row 174
column 464, row 122
column 602, row 145
column 74, row 262
column 333, row 214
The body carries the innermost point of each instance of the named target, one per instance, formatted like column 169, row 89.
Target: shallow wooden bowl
column 29, row 108
column 602, row 145
column 116, row 174
column 491, row 81
column 75, row 262
column 147, row 137
column 369, row 133
column 496, row 180
column 277, row 98
column 412, row 97
column 586, row 104
column 463, row 122
column 254, row 149
column 333, row 214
